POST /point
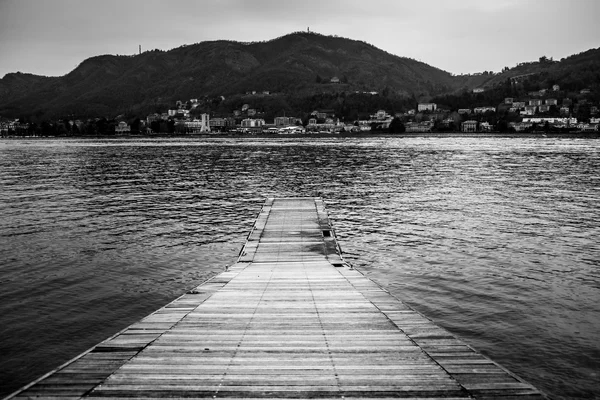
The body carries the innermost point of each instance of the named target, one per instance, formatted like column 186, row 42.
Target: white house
column 469, row 126
column 122, row 128
column 252, row 123
column 544, row 108
column 483, row 110
column 380, row 115
column 427, row 107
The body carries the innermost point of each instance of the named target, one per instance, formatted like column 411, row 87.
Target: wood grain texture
column 289, row 320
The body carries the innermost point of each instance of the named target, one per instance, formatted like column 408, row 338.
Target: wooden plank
column 289, row 320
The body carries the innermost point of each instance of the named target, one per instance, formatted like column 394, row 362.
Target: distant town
column 545, row 110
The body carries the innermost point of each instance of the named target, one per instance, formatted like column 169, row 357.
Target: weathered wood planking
column 289, row 320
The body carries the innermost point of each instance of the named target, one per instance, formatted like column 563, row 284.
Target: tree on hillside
column 396, row 126
column 135, row 125
column 155, row 126
column 502, row 126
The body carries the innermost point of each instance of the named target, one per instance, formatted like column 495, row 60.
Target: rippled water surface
column 495, row 239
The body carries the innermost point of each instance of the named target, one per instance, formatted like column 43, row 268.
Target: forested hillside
column 572, row 75
column 298, row 66
column 299, row 72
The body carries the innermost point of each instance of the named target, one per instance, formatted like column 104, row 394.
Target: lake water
column 496, row 239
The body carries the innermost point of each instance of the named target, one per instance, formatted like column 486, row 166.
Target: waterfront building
column 551, row 102
column 218, row 123
column 485, row 127
column 469, row 126
column 205, row 123
column 191, row 126
column 291, row 130
column 285, row 121
column 253, row 123
column 421, row 127
column 122, row 128
column 201, row 125
column 583, row 127
column 351, row 128
column 550, row 120
column 520, row 126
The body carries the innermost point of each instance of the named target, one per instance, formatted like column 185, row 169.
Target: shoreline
column 540, row 135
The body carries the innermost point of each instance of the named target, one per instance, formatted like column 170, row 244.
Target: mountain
column 292, row 68
column 570, row 76
column 292, row 65
column 573, row 73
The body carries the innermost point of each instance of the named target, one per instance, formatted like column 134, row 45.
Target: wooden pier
column 289, row 320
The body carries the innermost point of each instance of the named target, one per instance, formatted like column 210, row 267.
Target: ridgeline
column 298, row 70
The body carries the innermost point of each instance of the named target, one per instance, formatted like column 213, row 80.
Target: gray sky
column 51, row 37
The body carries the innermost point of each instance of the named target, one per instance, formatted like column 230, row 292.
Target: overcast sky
column 51, row 37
